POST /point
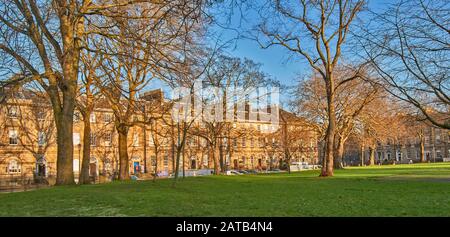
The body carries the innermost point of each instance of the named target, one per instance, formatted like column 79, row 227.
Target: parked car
column 233, row 172
column 252, row 172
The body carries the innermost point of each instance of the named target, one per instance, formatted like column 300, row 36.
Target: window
column 243, row 142
column 107, row 118
column 40, row 115
column 13, row 167
column 135, row 139
column 427, row 140
column 150, row 140
column 205, row 160
column 76, row 139
column 13, row 112
column 261, row 142
column 438, row 136
column 92, row 118
column 252, row 143
column 166, row 160
column 108, row 139
column 13, row 137
column 41, row 138
column 93, row 139
column 153, row 159
column 203, row 142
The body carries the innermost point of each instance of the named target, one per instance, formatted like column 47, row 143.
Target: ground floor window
column 14, row 167
column 166, row 161
column 153, row 160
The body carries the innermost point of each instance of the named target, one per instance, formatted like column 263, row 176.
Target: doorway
column 41, row 167
column 136, row 167
column 193, row 164
column 93, row 167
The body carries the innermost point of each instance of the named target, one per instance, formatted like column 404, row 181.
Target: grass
column 400, row 190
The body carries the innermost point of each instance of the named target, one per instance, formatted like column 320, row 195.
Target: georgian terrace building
column 28, row 141
column 404, row 150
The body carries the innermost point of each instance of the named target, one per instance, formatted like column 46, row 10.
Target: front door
column 136, row 167
column 236, row 165
column 193, row 164
column 41, row 170
column 93, row 169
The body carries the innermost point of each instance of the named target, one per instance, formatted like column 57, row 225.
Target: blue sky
column 276, row 61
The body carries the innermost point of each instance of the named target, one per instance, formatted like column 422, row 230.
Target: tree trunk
column 64, row 140
column 184, row 161
column 216, row 159
column 177, row 165
column 362, row 155
column 84, row 173
column 222, row 160
column 372, row 155
column 327, row 164
column 124, row 171
column 422, row 149
column 155, row 172
column 288, row 162
column 63, row 101
column 339, row 154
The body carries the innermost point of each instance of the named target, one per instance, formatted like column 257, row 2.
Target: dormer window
column 13, row 112
column 107, row 118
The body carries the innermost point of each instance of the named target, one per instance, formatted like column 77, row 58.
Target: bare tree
column 408, row 46
column 315, row 31
column 85, row 103
column 42, row 42
column 352, row 98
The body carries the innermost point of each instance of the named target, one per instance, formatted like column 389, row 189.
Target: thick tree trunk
column 222, row 160
column 422, row 149
column 372, row 155
column 327, row 164
column 362, row 158
column 216, row 159
column 124, row 171
column 64, row 100
column 339, row 154
column 84, row 172
column 288, row 162
column 64, row 140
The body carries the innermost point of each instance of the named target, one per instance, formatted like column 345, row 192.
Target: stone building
column 404, row 150
column 28, row 141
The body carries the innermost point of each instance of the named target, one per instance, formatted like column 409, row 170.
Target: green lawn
column 401, row 190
